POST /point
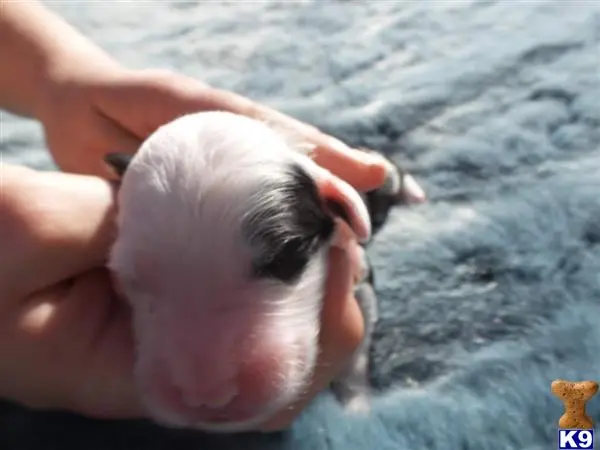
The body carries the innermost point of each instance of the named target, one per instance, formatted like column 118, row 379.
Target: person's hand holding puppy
column 65, row 339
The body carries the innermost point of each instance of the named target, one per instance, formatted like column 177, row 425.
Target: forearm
column 36, row 44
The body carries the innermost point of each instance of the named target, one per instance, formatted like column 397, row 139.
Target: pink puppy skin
column 221, row 251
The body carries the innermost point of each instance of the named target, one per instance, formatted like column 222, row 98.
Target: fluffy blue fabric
column 490, row 291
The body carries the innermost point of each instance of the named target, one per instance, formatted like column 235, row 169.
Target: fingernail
column 337, row 145
column 412, row 191
column 368, row 157
column 372, row 158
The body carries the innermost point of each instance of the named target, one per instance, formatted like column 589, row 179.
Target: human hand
column 65, row 338
column 90, row 110
column 88, row 113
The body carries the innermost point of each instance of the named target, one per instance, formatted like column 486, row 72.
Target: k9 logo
column 575, row 439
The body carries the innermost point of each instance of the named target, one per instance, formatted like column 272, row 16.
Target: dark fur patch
column 380, row 201
column 379, row 204
column 119, row 162
column 338, row 210
column 288, row 227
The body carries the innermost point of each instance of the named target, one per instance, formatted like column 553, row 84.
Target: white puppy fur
column 221, row 250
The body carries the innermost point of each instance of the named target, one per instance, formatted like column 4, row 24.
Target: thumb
column 342, row 331
column 54, row 225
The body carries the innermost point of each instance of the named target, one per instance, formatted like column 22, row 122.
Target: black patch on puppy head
column 288, row 225
column 381, row 200
column 379, row 205
column 118, row 162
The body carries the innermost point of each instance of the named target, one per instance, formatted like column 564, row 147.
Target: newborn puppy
column 222, row 251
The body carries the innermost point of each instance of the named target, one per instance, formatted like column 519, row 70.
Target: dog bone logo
column 575, row 395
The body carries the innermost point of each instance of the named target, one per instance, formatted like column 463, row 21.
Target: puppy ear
column 118, row 162
column 345, row 203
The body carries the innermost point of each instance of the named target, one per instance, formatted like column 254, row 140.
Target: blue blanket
column 491, row 290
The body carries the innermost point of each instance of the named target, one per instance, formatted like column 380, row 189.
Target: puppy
column 223, row 234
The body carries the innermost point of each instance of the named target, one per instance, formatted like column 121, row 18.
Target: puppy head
column 221, row 251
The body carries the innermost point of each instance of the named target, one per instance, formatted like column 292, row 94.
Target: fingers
column 342, row 327
column 112, row 137
column 342, row 330
column 143, row 101
column 54, row 225
column 361, row 170
column 72, row 349
column 105, row 370
column 84, row 152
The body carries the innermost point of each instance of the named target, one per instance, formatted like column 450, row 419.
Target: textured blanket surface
column 491, row 290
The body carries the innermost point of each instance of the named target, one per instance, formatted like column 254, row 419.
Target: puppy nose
column 215, row 399
column 201, row 400
column 220, row 407
column 212, row 395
